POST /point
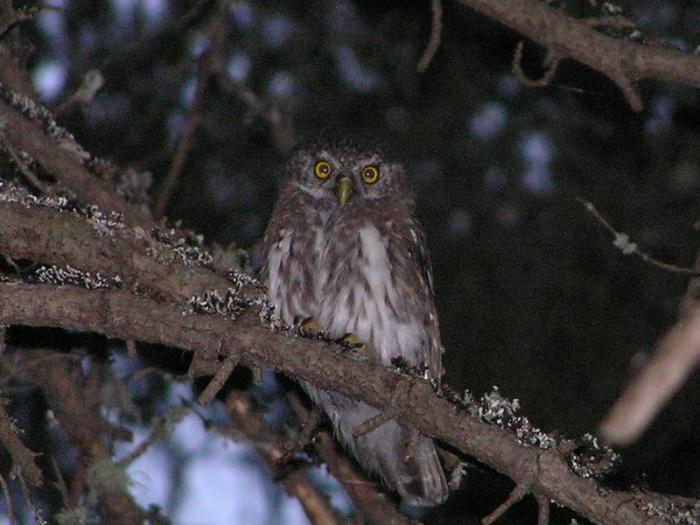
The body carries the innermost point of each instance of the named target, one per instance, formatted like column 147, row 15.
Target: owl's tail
column 418, row 477
column 421, row 479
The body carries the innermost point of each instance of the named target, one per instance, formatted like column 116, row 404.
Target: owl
column 343, row 248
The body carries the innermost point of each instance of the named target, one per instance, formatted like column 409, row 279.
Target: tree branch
column 22, row 457
column 57, row 155
column 117, row 313
column 622, row 61
column 297, row 484
column 74, row 404
column 370, row 502
column 52, row 236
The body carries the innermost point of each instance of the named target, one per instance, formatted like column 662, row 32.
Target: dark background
column 532, row 295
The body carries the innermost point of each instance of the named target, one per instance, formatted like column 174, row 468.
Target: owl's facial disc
column 343, row 189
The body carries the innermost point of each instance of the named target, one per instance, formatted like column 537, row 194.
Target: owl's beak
column 343, row 189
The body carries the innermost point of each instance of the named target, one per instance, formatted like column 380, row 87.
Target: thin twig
column 146, row 46
column 623, row 242
column 543, row 505
column 282, row 130
column 19, row 17
column 551, row 62
column 22, row 457
column 60, row 482
column 28, row 497
column 435, row 37
column 257, row 375
column 371, row 504
column 194, row 117
column 216, row 32
column 217, row 382
column 515, row 496
column 144, row 372
column 161, row 428
column 131, row 351
column 84, row 95
column 315, row 504
column 309, row 428
column 23, row 168
column 373, row 423
column 8, row 500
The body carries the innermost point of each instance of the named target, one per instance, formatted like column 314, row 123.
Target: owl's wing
column 418, row 251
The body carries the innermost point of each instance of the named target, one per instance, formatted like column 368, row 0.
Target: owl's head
column 347, row 169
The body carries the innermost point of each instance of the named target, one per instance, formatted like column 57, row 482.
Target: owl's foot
column 352, row 342
column 309, row 327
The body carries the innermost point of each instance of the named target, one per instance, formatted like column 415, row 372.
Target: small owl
column 343, row 247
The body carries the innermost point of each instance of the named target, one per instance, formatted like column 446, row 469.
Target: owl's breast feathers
column 362, row 269
column 376, row 283
column 292, row 252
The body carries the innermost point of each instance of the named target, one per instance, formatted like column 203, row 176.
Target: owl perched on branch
column 344, row 249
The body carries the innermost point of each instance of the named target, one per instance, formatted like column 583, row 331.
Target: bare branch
column 217, row 382
column 73, row 404
column 368, row 500
column 160, row 428
column 435, row 37
column 543, row 507
column 22, row 457
column 83, row 96
column 660, row 378
column 623, row 61
column 27, row 496
column 23, row 168
column 8, row 500
column 120, row 314
column 551, row 62
column 297, row 484
column 217, row 36
column 518, row 493
column 372, row 424
column 56, row 237
column 281, row 128
column 59, row 159
column 626, row 246
column 19, row 16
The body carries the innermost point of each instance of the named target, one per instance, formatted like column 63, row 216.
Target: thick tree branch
column 62, row 238
column 61, row 160
column 121, row 314
column 117, row 313
column 674, row 359
column 622, row 61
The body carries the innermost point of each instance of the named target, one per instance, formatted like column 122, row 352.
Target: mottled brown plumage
column 343, row 247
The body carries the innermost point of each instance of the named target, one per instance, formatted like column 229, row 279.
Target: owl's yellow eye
column 323, row 169
column 370, row 174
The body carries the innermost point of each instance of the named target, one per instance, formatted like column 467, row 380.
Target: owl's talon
column 309, row 327
column 352, row 342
